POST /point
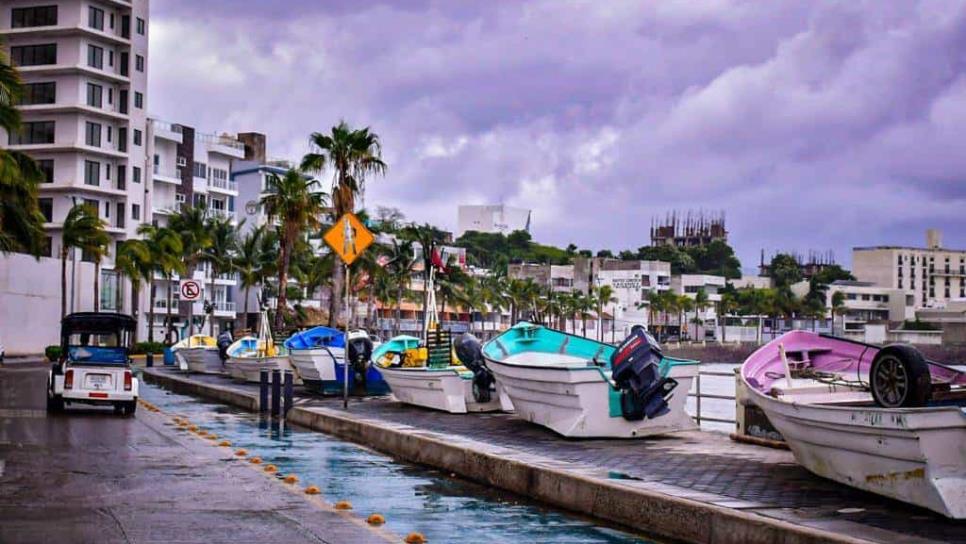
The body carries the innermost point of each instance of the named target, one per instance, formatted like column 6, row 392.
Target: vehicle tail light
column 69, row 379
column 127, row 380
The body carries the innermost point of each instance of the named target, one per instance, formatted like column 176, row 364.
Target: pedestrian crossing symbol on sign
column 348, row 238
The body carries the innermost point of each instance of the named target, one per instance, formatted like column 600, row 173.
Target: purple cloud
column 812, row 125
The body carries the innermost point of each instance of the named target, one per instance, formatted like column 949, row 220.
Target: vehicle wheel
column 126, row 408
column 55, row 403
column 899, row 378
column 632, row 408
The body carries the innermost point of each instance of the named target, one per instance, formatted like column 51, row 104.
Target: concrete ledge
column 626, row 502
column 185, row 385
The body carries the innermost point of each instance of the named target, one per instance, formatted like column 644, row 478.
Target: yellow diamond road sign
column 348, row 238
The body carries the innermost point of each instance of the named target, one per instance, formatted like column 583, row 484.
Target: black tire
column 55, row 404
column 899, row 378
column 126, row 408
column 631, row 406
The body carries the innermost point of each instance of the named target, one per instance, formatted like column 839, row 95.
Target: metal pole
column 345, row 357
column 697, row 384
column 149, row 359
column 263, row 391
column 287, row 393
column 276, row 392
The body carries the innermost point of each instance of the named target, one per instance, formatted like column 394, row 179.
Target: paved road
column 91, row 476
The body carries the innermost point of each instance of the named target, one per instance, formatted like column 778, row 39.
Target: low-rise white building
column 690, row 285
column 492, row 218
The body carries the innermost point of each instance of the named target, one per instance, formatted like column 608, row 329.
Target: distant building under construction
column 810, row 264
column 688, row 229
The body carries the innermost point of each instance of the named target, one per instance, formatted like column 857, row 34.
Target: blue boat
column 318, row 356
column 579, row 387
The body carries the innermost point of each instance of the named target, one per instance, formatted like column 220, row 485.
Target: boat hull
column 915, row 455
column 580, row 402
column 439, row 389
column 201, row 359
column 249, row 369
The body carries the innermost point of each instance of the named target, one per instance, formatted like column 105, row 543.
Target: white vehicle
column 94, row 365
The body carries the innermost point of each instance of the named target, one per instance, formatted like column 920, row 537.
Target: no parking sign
column 190, row 289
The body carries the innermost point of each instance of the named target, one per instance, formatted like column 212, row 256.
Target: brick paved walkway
column 704, row 466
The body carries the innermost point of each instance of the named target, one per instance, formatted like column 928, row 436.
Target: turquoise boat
column 579, row 387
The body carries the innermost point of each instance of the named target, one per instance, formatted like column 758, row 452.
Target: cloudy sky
column 812, row 125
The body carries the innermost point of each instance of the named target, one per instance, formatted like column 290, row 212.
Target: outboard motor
column 224, row 340
column 644, row 392
column 470, row 352
column 359, row 352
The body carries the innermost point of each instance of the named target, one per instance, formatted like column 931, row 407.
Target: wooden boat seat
column 802, row 386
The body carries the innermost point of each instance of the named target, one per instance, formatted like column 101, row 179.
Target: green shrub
column 147, row 347
column 52, row 353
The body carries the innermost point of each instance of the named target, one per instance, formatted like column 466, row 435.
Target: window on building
column 110, row 57
column 34, row 55
column 112, row 21
column 122, row 100
column 37, row 132
column 201, row 170
column 138, row 100
column 125, row 26
column 198, row 200
column 107, row 210
column 231, row 204
column 136, row 174
column 94, row 95
column 95, row 18
column 122, row 139
column 46, row 208
column 94, row 205
column 139, row 63
column 137, row 137
column 92, row 134
column 47, row 247
column 92, row 173
column 136, row 212
column 39, row 93
column 120, row 215
column 140, row 26
column 46, row 167
column 125, row 63
column 121, row 177
column 33, row 16
column 95, row 56
column 110, row 133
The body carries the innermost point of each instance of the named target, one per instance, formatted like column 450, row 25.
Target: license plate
column 98, row 381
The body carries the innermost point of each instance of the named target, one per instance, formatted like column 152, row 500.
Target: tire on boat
column 899, row 377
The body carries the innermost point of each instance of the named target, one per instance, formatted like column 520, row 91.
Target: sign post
column 348, row 238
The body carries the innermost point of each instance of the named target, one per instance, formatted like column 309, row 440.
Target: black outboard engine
column 224, row 340
column 359, row 351
column 636, row 373
column 470, row 352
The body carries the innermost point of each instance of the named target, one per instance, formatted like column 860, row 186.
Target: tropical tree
column 133, row 260
column 353, row 155
column 220, row 254
column 726, row 306
column 191, row 225
column 402, row 261
column 164, row 250
column 603, row 295
column 21, row 223
column 254, row 259
column 700, row 303
column 838, row 307
column 295, row 201
column 494, row 296
column 84, row 230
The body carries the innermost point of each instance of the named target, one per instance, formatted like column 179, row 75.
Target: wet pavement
column 91, row 476
column 702, row 466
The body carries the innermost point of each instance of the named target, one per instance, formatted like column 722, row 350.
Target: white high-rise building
column 84, row 66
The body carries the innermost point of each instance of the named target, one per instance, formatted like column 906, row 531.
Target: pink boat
column 882, row 419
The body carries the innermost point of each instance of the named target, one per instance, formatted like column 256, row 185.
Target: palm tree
column 191, row 226
column 82, row 229
column 604, row 295
column 220, row 254
column 294, row 201
column 165, row 250
column 253, row 262
column 134, row 261
column 700, row 303
column 838, row 309
column 353, row 154
column 21, row 223
column 402, row 260
column 727, row 306
column 494, row 296
column 683, row 304
column 583, row 303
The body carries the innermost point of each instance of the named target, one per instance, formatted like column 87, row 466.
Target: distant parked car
column 94, row 365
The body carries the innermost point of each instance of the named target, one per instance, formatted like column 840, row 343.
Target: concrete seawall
column 635, row 504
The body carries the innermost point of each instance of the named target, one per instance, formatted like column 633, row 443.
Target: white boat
column 249, row 355
column 449, row 388
column 318, row 356
column 566, row 383
column 197, row 353
column 885, row 420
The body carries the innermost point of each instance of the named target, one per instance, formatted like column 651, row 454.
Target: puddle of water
column 411, row 498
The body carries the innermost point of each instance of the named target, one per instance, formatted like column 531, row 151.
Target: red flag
column 437, row 261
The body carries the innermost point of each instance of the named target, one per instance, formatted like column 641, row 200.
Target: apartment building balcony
column 224, row 308
column 167, row 131
column 74, row 108
column 69, row 147
column 223, row 214
column 223, row 185
column 58, row 69
column 69, row 30
column 223, row 145
column 167, row 176
column 106, row 188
